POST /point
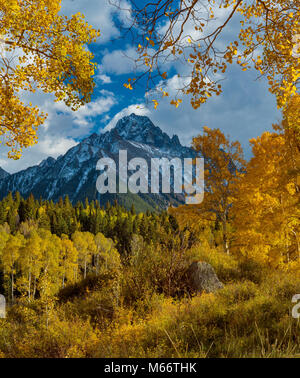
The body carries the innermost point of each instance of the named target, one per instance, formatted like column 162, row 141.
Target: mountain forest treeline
column 62, row 218
column 41, row 239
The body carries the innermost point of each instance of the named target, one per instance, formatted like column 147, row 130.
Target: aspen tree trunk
column 47, row 316
column 34, row 287
column 29, row 284
column 225, row 236
column 297, row 242
column 97, row 264
column 12, row 286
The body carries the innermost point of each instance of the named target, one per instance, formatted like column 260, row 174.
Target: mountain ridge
column 74, row 173
column 3, row 173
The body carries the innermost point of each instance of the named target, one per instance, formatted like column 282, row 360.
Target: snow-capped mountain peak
column 75, row 172
column 141, row 129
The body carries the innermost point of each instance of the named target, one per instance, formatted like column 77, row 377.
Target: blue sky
column 243, row 111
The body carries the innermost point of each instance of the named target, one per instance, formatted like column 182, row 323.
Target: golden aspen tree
column 50, row 278
column 91, row 249
column 29, row 261
column 3, row 238
column 106, row 254
column 189, row 32
column 41, row 49
column 267, row 209
column 10, row 257
column 291, row 123
column 224, row 167
column 85, row 244
column 69, row 260
column 81, row 246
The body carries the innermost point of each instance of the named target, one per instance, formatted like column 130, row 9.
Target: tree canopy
column 44, row 50
column 194, row 34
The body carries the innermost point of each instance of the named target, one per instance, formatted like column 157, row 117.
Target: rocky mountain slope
column 75, row 172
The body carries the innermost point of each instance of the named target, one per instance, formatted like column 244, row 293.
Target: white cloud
column 83, row 116
column 120, row 62
column 139, row 109
column 200, row 12
column 48, row 145
column 53, row 146
column 104, row 79
column 100, row 14
column 234, row 117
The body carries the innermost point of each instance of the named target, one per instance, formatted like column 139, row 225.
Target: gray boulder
column 202, row 278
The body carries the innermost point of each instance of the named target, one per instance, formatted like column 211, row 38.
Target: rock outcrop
column 202, row 278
